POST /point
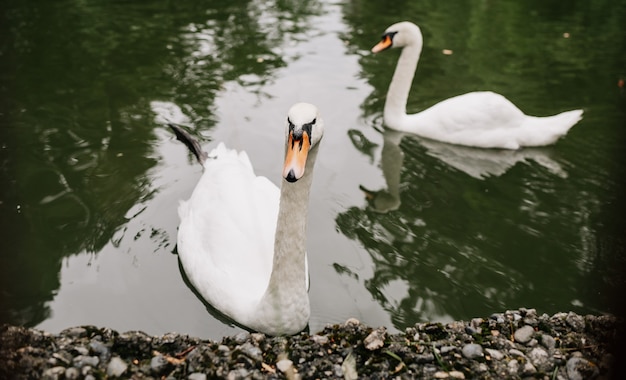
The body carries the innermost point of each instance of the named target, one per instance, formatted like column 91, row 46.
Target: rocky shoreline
column 516, row 344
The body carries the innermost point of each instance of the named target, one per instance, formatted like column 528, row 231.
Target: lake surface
column 92, row 176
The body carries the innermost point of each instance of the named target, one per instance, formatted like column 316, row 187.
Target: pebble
column 320, row 339
column 72, row 373
column 196, row 376
column 540, row 358
column 513, row 367
column 284, row 365
column 472, row 351
column 158, row 364
column 547, row 341
column 457, row 375
column 517, row 353
column 524, row 334
column 53, row 373
column 576, row 322
column 580, row 369
column 251, row 351
column 82, row 360
column 89, row 353
column 528, row 369
column 116, row 367
column 495, row 354
column 376, row 339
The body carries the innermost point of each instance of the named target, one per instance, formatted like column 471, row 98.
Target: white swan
column 241, row 240
column 479, row 119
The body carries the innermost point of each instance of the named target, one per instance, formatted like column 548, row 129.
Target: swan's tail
column 547, row 130
column 190, row 142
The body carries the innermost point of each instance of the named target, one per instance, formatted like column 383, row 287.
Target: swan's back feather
column 489, row 120
column 229, row 209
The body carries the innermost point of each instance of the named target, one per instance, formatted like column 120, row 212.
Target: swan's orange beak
column 295, row 159
column 385, row 43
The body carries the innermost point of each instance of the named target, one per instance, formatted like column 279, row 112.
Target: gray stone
column 513, row 367
column 237, row 374
column 75, row 332
column 81, row 361
column 524, row 334
column 116, row 367
column 284, row 365
column 457, row 374
column 528, row 369
column 376, row 339
column 100, row 349
column 252, row 351
column 320, row 339
column 241, row 337
column 472, row 351
column 196, row 376
column 53, row 373
column 72, row 373
column 580, row 369
column 548, row 342
column 158, row 363
column 576, row 322
column 517, row 353
column 540, row 358
column 495, row 354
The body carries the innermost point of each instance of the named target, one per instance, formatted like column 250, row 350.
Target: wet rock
column 116, row 367
column 336, row 352
column 576, row 322
column 251, row 351
column 528, row 369
column 494, row 354
column 53, row 373
column 75, row 332
column 375, row 340
column 516, row 353
column 513, row 367
column 284, row 365
column 472, row 351
column 547, row 341
column 158, row 364
column 100, row 349
column 524, row 334
column 196, row 376
column 72, row 373
column 238, row 374
column 539, row 358
column 456, row 375
column 580, row 369
column 82, row 360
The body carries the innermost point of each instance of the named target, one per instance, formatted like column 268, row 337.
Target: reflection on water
column 91, row 179
column 78, row 132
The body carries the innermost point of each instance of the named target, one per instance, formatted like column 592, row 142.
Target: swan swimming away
column 480, row 119
column 241, row 239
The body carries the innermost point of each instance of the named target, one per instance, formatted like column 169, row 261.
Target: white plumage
column 479, row 119
column 241, row 239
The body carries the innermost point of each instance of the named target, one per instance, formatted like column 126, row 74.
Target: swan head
column 399, row 35
column 305, row 129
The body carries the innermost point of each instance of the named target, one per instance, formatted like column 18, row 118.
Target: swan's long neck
column 398, row 93
column 287, row 286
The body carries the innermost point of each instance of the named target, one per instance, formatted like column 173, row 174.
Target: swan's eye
column 308, row 127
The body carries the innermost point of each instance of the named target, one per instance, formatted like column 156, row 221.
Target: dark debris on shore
column 517, row 344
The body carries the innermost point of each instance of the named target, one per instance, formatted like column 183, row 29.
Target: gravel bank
column 515, row 344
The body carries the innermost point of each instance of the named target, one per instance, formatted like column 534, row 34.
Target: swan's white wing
column 482, row 119
column 226, row 234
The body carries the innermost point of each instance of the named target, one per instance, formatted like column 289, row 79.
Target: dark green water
column 91, row 178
